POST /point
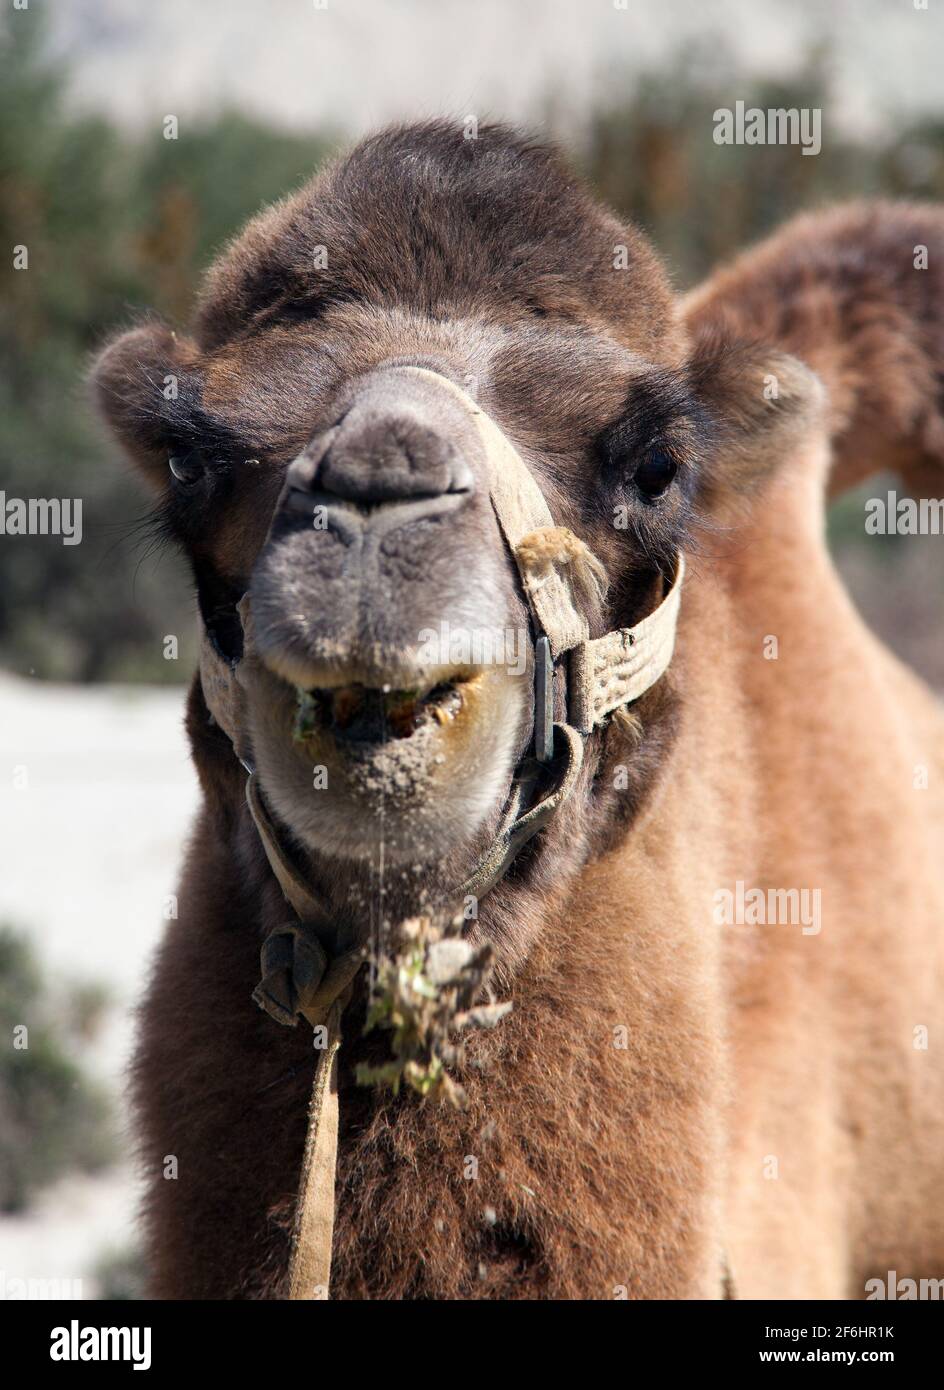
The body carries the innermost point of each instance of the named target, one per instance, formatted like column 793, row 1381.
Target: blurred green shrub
column 114, row 228
column 53, row 1120
column 653, row 157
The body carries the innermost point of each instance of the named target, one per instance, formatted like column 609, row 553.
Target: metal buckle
column 543, row 701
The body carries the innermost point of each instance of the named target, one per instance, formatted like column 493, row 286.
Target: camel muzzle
column 383, row 525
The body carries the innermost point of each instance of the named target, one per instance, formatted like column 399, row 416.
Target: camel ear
column 137, row 381
column 760, row 404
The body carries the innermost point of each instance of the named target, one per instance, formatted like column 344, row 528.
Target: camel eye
column 188, row 469
column 656, row 472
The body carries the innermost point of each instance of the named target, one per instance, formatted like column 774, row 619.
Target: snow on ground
column 96, row 796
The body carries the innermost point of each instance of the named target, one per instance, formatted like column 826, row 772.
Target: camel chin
column 407, row 772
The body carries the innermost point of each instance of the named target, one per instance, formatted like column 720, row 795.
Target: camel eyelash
column 194, row 479
column 189, row 466
column 187, row 469
column 660, row 416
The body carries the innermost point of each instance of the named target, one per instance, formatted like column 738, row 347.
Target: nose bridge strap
column 222, row 693
column 521, row 509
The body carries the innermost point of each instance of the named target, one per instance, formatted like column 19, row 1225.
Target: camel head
column 314, row 444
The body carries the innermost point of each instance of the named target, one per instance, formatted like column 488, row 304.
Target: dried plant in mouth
column 428, row 980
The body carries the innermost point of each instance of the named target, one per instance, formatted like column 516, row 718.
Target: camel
column 721, row 1075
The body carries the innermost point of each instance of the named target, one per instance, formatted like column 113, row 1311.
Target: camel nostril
column 372, row 456
column 388, row 463
column 301, row 500
column 463, row 479
column 398, row 447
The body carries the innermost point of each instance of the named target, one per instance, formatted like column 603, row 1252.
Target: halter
column 306, row 969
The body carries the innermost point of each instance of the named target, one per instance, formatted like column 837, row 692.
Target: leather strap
column 521, row 510
column 307, row 973
column 309, row 1272
column 295, row 886
column 519, row 824
column 616, row 669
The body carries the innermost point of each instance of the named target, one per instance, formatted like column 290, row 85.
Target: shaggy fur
column 669, row 1096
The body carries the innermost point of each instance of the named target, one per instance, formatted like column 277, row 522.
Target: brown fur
column 599, row 1168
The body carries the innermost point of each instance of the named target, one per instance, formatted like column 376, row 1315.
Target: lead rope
column 300, row 978
column 309, row 1269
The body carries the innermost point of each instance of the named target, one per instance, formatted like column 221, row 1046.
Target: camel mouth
column 366, row 715
column 358, row 764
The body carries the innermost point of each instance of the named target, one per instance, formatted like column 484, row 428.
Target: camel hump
column 857, row 294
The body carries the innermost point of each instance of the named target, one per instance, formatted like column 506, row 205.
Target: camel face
column 389, row 675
